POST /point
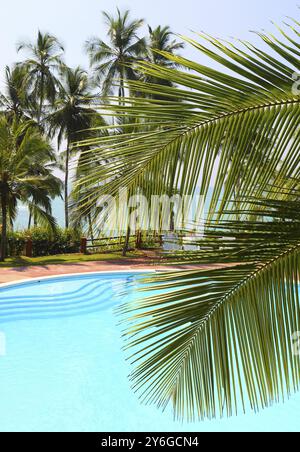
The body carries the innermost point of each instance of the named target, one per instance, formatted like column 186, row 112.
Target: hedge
column 44, row 242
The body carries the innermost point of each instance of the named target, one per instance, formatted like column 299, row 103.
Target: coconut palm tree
column 14, row 101
column 115, row 60
column 42, row 65
column 20, row 145
column 161, row 40
column 159, row 44
column 218, row 339
column 44, row 165
column 73, row 115
column 17, row 104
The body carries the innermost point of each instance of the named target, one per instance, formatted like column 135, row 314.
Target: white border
column 49, row 278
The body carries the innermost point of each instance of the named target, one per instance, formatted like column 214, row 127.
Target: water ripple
column 93, row 296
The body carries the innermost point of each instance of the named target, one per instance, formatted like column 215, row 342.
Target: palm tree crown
column 115, row 60
column 16, row 101
column 45, row 58
column 13, row 101
column 72, row 109
column 160, row 40
column 160, row 45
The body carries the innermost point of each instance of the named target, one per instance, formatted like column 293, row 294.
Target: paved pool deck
column 8, row 275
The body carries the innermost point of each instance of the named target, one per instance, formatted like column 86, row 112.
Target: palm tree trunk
column 121, row 97
column 3, row 244
column 67, row 185
column 29, row 220
column 39, row 118
column 126, row 245
column 121, row 91
column 120, row 94
column 91, row 231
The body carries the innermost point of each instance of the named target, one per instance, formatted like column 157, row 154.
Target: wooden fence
column 90, row 246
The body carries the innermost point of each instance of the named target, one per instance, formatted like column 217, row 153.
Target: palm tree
column 218, row 338
column 159, row 44
column 20, row 144
column 45, row 59
column 160, row 41
column 73, row 115
column 14, row 102
column 115, row 60
column 43, row 165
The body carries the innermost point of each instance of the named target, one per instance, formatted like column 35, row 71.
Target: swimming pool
column 64, row 369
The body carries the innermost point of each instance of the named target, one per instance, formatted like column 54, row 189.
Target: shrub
column 44, row 242
column 16, row 243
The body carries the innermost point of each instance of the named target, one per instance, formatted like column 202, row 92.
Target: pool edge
column 67, row 275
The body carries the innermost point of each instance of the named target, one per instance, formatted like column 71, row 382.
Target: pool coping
column 72, row 275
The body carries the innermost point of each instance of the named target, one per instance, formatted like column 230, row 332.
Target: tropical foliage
column 43, row 62
column 21, row 145
column 161, row 40
column 42, row 92
column 114, row 61
column 44, row 241
column 72, row 118
column 15, row 101
column 215, row 339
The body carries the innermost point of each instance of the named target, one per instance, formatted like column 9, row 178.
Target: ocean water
column 62, row 368
column 23, row 215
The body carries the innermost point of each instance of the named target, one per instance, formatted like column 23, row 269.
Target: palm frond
column 218, row 121
column 44, row 218
column 217, row 340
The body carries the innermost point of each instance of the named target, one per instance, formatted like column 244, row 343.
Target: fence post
column 83, row 246
column 28, row 248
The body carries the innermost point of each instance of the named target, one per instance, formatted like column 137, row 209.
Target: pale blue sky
column 73, row 21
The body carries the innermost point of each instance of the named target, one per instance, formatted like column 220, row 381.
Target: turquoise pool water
column 64, row 369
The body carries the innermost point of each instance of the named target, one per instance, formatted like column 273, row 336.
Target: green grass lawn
column 67, row 259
